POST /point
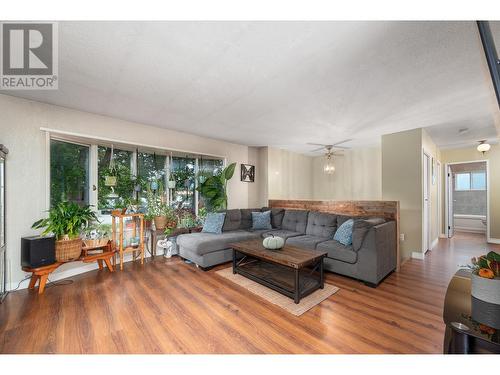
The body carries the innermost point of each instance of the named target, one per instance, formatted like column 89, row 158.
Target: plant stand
column 118, row 236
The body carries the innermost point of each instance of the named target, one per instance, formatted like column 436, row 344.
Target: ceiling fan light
column 329, row 167
column 483, row 147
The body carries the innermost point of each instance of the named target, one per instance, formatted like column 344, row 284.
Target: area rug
column 278, row 299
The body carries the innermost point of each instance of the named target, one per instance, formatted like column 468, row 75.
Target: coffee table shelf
column 291, row 271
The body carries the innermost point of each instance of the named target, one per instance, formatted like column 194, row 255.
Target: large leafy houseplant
column 66, row 220
column 214, row 188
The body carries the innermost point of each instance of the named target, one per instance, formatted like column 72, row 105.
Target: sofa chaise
column 370, row 258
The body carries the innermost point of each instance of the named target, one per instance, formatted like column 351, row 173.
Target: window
column 478, row 180
column 470, row 181
column 69, row 172
column 150, row 168
column 124, row 189
column 183, row 195
column 81, row 173
column 208, row 168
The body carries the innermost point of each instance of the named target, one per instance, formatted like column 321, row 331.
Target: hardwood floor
column 167, row 306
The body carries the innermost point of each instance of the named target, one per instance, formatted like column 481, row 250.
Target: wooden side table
column 118, row 236
column 41, row 274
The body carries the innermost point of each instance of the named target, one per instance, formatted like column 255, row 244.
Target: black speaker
column 38, row 251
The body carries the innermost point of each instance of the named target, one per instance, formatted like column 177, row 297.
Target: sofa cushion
column 321, row 224
column 246, row 217
column 344, row 233
column 306, row 241
column 295, row 221
column 232, row 220
column 261, row 220
column 214, row 222
column 203, row 243
column 277, row 215
column 361, row 228
column 283, row 233
column 338, row 251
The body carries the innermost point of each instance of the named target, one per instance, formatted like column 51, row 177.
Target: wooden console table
column 41, row 274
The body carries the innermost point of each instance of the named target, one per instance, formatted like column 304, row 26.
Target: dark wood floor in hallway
column 167, row 306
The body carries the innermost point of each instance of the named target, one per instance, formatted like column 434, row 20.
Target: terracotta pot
column 160, row 222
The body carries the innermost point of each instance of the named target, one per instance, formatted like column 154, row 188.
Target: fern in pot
column 66, row 221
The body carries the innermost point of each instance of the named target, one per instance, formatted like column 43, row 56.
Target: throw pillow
column 214, row 222
column 261, row 220
column 344, row 233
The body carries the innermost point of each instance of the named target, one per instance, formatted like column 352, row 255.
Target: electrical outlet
column 402, row 236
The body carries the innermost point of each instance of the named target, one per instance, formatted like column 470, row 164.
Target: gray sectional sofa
column 370, row 258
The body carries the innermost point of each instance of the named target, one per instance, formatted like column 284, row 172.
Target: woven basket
column 96, row 243
column 160, row 222
column 67, row 250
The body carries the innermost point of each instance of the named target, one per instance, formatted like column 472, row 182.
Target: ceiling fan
column 329, row 166
column 329, row 148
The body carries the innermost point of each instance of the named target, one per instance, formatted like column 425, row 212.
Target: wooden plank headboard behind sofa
column 386, row 209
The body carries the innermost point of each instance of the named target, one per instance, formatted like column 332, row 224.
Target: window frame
column 93, row 144
column 471, row 187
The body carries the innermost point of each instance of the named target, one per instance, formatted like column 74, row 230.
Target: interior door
column 426, row 198
column 451, row 188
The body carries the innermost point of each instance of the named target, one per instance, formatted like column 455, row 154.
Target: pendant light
column 328, row 165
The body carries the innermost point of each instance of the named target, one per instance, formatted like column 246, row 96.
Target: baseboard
column 442, row 235
column 434, row 243
column 469, row 230
column 418, row 255
column 493, row 240
column 63, row 274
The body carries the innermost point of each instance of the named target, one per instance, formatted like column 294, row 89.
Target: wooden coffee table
column 291, row 271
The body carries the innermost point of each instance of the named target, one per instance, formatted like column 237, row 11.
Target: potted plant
column 214, row 188
column 66, row 221
column 120, row 207
column 96, row 235
column 485, row 279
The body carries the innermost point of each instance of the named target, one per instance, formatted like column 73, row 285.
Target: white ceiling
column 280, row 83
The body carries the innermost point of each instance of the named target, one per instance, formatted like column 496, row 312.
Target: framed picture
column 247, row 173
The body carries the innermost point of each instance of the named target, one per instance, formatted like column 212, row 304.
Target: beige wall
column 20, row 122
column 493, row 156
column 358, row 176
column 290, row 175
column 402, row 181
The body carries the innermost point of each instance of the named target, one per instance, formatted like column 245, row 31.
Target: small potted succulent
column 486, row 277
column 66, row 221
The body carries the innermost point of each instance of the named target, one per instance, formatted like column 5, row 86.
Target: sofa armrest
column 377, row 256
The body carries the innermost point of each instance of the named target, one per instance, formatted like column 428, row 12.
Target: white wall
column 20, row 123
column 290, row 175
column 358, row 176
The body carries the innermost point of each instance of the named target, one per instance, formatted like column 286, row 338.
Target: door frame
column 447, row 197
column 426, row 247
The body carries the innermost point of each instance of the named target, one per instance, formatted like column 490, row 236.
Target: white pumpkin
column 273, row 242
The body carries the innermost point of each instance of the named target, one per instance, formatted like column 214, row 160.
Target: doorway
column 467, row 198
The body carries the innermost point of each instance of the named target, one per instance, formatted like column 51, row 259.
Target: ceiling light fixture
column 483, row 147
column 329, row 166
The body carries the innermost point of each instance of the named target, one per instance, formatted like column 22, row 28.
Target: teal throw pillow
column 261, row 220
column 214, row 222
column 344, row 233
